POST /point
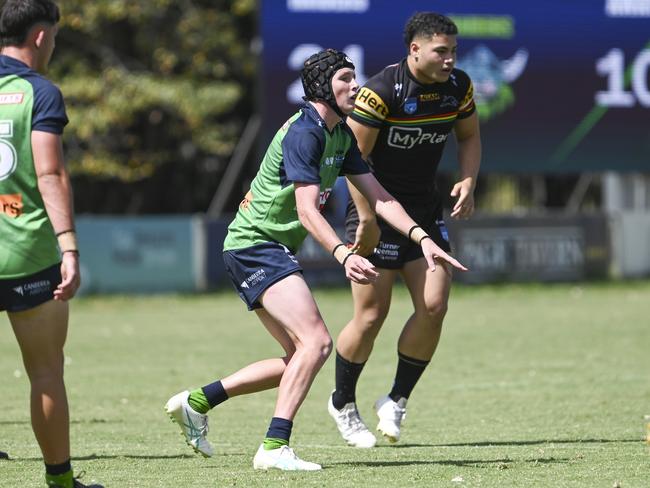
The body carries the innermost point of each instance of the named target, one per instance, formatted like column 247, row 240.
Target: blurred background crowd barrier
column 183, row 253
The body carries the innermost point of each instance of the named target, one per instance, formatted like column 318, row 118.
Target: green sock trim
column 63, row 480
column 198, row 401
column 271, row 443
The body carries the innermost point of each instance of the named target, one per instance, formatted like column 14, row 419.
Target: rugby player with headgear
column 283, row 205
column 402, row 119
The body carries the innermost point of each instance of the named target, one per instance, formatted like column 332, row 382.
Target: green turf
column 532, row 386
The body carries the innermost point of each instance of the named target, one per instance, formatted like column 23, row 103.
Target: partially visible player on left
column 39, row 259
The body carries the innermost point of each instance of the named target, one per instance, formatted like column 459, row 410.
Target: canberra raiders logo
column 492, row 77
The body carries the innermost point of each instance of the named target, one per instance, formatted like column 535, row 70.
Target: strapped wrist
column 341, row 253
column 67, row 241
column 416, row 234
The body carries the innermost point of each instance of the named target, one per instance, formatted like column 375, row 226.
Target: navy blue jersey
column 302, row 151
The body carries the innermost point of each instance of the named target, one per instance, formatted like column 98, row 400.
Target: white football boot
column 194, row 425
column 282, row 458
column 391, row 415
column 351, row 426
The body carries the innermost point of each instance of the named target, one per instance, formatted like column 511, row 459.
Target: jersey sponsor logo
column 368, row 101
column 387, row 251
column 289, row 254
column 11, row 98
column 34, row 288
column 245, row 203
column 322, row 200
column 443, row 229
column 429, row 97
column 336, row 161
column 408, row 137
column 449, row 101
column 11, row 205
column 253, row 279
column 411, row 105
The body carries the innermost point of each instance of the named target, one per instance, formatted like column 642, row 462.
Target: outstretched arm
column 392, row 212
column 357, row 268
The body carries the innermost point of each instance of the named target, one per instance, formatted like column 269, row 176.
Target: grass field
column 532, row 386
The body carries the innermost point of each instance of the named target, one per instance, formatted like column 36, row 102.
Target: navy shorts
column 394, row 249
column 20, row 294
column 254, row 269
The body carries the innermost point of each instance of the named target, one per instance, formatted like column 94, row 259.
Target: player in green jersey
column 283, row 205
column 36, row 278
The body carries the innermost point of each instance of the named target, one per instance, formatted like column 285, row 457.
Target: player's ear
column 37, row 35
column 414, row 49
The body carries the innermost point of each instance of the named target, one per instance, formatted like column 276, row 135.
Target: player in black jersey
column 402, row 119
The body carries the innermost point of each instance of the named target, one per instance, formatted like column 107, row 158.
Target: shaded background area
column 157, row 96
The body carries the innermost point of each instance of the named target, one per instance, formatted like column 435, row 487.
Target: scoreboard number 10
column 612, row 65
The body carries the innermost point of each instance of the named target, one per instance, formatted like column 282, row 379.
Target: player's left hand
column 432, row 252
column 464, row 191
column 70, row 277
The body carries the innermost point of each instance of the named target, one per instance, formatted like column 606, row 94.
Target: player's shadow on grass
column 469, row 463
column 520, row 443
column 95, row 457
column 74, row 421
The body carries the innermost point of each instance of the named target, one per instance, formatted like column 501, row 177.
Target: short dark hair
column 18, row 16
column 428, row 24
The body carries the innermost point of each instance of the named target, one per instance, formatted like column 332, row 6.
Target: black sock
column 346, row 377
column 280, row 429
column 215, row 393
column 56, row 469
column 408, row 373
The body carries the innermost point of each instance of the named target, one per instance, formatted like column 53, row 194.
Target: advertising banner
column 549, row 248
column 560, row 86
column 141, row 255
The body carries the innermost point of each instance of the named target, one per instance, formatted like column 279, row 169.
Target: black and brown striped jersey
column 414, row 122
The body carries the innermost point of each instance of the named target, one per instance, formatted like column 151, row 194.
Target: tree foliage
column 157, row 93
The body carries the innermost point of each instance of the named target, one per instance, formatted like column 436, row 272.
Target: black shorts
column 394, row 249
column 20, row 294
column 254, row 269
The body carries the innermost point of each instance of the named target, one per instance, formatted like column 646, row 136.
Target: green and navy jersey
column 414, row 122
column 28, row 102
column 302, row 151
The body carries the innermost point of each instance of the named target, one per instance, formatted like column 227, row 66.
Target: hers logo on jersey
column 408, row 137
column 368, row 101
column 11, row 205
